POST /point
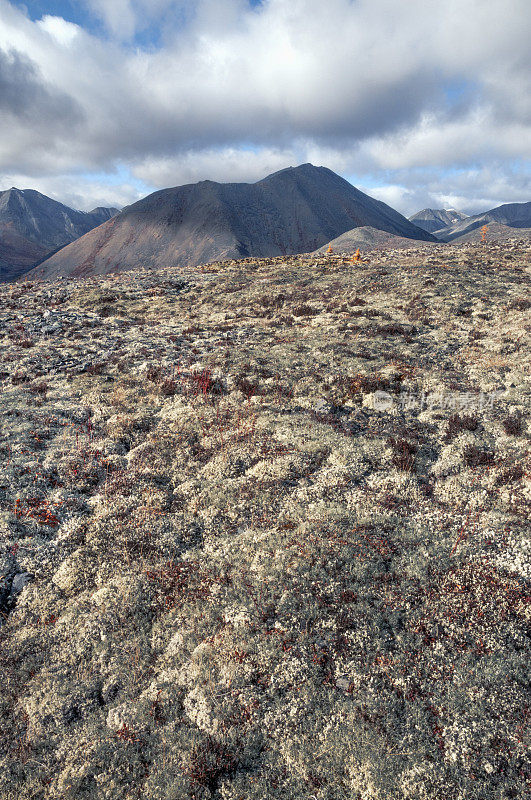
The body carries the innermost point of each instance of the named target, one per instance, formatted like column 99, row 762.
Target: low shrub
column 249, row 388
column 474, row 457
column 510, row 475
column 210, row 761
column 512, row 424
column 95, row 369
column 19, row 378
column 403, row 453
column 456, row 424
column 168, row 387
column 39, row 388
column 357, row 384
column 305, row 310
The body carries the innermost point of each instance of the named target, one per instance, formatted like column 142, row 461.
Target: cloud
column 83, row 192
column 117, row 15
column 25, row 98
column 65, row 33
column 226, row 165
column 122, row 19
column 230, row 90
column 477, row 135
column 472, row 190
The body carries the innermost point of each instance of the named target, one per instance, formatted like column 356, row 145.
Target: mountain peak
column 11, row 192
column 301, row 169
column 434, row 219
column 107, row 211
column 32, row 226
column 295, row 210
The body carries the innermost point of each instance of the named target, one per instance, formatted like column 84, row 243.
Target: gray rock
column 343, row 683
column 20, row 580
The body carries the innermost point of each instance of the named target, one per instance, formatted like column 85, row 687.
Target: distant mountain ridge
column 495, row 232
column 433, row 219
column 513, row 215
column 295, row 210
column 33, row 225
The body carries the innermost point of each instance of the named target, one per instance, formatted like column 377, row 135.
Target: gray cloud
column 369, row 88
column 26, row 97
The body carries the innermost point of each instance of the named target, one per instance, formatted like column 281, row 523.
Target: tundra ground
column 263, row 530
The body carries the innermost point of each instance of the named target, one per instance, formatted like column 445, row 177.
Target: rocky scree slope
column 263, row 530
column 295, row 210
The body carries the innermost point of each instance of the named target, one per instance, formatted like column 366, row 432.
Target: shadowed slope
column 495, row 232
column 292, row 211
column 33, row 226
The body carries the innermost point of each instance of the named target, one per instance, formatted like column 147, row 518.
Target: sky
column 416, row 102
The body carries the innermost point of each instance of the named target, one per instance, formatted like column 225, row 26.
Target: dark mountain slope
column 33, row 225
column 292, row 211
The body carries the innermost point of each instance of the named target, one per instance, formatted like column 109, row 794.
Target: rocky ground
column 263, row 530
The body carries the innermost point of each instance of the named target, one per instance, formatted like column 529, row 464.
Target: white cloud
column 358, row 86
column 123, row 18
column 398, row 197
column 478, row 135
column 65, row 33
column 77, row 191
column 472, row 190
column 226, row 165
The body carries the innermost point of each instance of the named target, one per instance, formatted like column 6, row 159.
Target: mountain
column 513, row 215
column 496, row 232
column 432, row 219
column 33, row 226
column 295, row 210
column 366, row 238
